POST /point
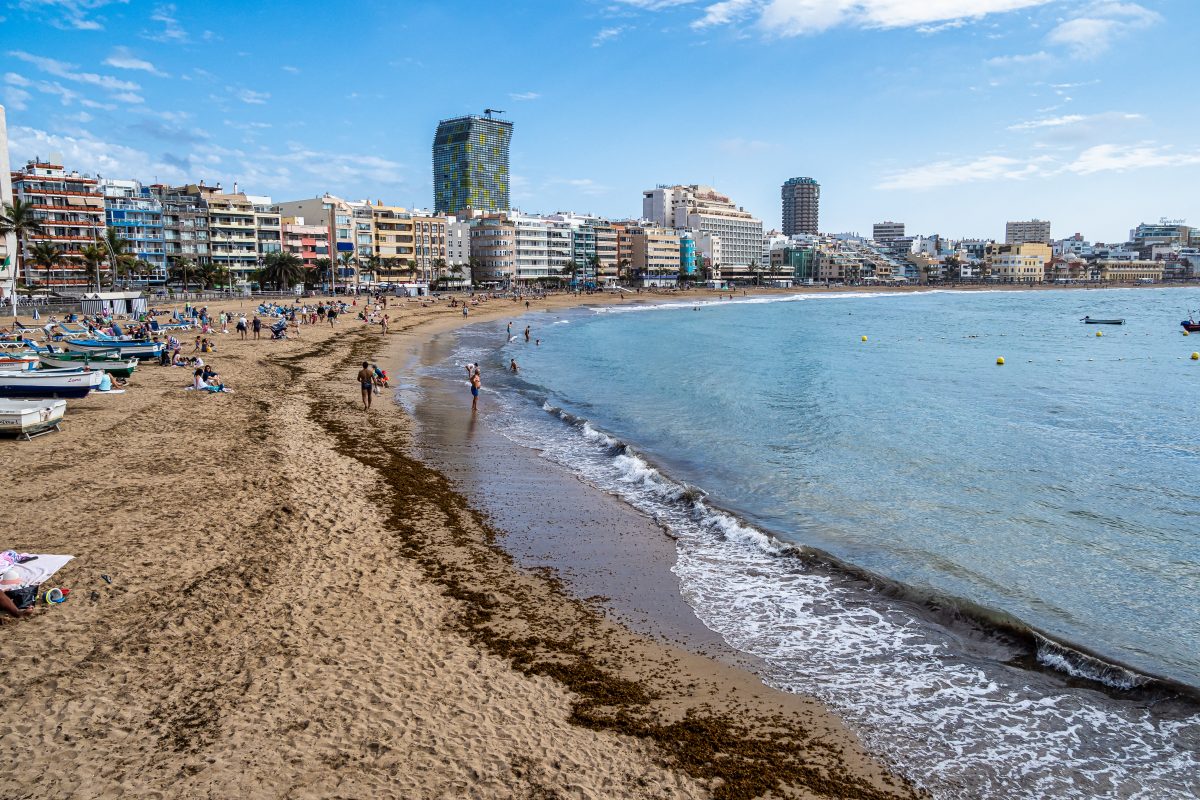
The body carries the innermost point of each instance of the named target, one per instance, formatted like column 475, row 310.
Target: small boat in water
column 29, row 418
column 1190, row 325
column 49, row 382
column 110, row 361
column 128, row 348
column 1092, row 321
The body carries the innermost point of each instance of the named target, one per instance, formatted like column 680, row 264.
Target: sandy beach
column 300, row 607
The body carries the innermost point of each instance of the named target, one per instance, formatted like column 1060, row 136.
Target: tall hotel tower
column 801, row 206
column 470, row 164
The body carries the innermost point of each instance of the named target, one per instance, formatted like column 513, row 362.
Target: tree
column 593, row 263
column 44, row 255
column 324, row 268
column 624, row 271
column 93, row 256
column 182, row 269
column 754, row 270
column 347, row 261
column 20, row 219
column 282, row 270
column 212, row 275
column 953, row 265
column 373, row 264
column 118, row 247
column 439, row 267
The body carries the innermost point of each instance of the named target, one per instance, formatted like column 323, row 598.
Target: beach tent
column 114, row 302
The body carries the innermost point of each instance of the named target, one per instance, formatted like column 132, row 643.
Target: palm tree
column 20, row 219
column 439, row 267
column 182, row 269
column 373, row 263
column 93, row 256
column 623, row 270
column 347, row 261
column 324, row 268
column 282, row 270
column 593, row 263
column 44, row 255
column 118, row 248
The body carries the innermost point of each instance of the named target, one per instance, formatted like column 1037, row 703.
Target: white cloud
column 1067, row 120
column 605, row 34
column 252, row 97
column 13, row 79
column 929, row 30
column 122, row 58
column 523, row 96
column 725, row 12
column 801, row 17
column 120, row 90
column 171, row 30
column 940, row 174
column 87, row 153
column 1093, row 32
column 655, row 5
column 16, row 98
column 68, row 14
column 1123, row 158
column 1023, row 59
column 291, row 69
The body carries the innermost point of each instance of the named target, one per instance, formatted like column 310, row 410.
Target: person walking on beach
column 526, row 333
column 476, row 384
column 241, row 327
column 366, row 382
column 257, row 326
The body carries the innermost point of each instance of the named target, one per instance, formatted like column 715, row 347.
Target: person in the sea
column 510, row 331
column 512, row 365
column 527, row 333
column 476, row 385
column 366, row 381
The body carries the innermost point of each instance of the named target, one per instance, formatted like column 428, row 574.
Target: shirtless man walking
column 366, row 381
column 476, row 385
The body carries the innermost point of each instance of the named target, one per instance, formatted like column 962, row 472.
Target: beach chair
column 72, row 330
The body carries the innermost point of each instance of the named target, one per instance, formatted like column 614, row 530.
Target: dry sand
column 301, row 609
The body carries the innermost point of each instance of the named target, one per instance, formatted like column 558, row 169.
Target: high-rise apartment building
column 185, row 222
column 1034, row 230
column 136, row 214
column 710, row 214
column 656, row 254
column 801, row 206
column 70, row 209
column 307, row 242
column 470, row 164
column 232, row 237
column 8, row 242
column 887, row 231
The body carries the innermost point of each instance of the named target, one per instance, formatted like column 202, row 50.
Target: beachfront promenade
column 300, row 608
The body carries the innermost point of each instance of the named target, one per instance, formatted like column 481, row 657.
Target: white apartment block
column 887, row 231
column 707, row 211
column 8, row 242
column 1034, row 230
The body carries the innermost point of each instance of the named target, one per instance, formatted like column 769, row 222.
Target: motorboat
column 18, row 361
column 29, row 418
column 1094, row 321
column 49, row 382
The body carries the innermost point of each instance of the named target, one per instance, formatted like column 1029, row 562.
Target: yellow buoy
column 1195, row 356
column 1185, row 333
column 1000, row 361
column 1099, row 333
column 864, row 338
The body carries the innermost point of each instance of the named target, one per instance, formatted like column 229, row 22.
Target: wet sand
column 301, row 607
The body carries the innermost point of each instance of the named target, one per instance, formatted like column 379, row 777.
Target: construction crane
column 487, row 112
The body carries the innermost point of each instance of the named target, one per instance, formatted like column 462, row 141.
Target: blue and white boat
column 49, row 382
column 128, row 348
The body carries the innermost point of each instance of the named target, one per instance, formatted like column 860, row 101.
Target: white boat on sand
column 29, row 418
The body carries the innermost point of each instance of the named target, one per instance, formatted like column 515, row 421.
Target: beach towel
column 32, row 573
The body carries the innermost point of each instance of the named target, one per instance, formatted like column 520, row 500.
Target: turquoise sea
column 990, row 571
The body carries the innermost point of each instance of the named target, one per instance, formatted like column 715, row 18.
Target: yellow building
column 1130, row 271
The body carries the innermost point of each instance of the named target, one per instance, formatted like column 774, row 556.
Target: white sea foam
column 958, row 726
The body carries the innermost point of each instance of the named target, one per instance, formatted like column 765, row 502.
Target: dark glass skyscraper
column 470, row 164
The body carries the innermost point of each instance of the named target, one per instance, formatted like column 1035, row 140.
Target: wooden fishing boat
column 142, row 349
column 49, row 382
column 29, row 418
column 1093, row 321
column 110, row 361
column 18, row 361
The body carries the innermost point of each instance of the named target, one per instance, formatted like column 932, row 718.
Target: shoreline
column 300, row 604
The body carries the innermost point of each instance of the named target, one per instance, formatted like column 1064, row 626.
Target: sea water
column 990, row 571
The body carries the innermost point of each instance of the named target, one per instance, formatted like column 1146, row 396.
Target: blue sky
column 949, row 115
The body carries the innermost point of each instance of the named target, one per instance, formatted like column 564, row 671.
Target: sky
column 952, row 116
